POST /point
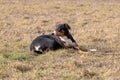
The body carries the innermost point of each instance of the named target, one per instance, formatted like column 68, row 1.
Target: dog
column 60, row 38
column 46, row 42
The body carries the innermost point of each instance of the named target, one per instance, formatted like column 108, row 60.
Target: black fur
column 65, row 27
column 46, row 42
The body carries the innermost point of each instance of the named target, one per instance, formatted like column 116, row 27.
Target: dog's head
column 62, row 27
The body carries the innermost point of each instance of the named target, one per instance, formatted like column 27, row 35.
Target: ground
column 95, row 25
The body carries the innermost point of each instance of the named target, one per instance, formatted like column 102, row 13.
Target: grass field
column 95, row 25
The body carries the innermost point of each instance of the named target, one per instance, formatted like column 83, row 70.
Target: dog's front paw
column 82, row 52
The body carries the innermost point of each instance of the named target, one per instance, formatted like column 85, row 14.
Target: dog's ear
column 66, row 25
column 58, row 27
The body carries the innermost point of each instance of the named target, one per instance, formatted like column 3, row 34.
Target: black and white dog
column 53, row 42
column 46, row 42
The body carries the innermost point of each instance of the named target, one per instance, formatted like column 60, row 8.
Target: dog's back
column 46, row 42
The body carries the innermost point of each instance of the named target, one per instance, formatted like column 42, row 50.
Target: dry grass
column 95, row 24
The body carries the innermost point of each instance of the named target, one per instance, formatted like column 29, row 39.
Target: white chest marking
column 65, row 39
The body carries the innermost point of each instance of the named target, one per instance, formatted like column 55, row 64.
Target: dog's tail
column 38, row 49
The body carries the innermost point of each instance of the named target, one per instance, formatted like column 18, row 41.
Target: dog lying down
column 60, row 38
column 46, row 42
